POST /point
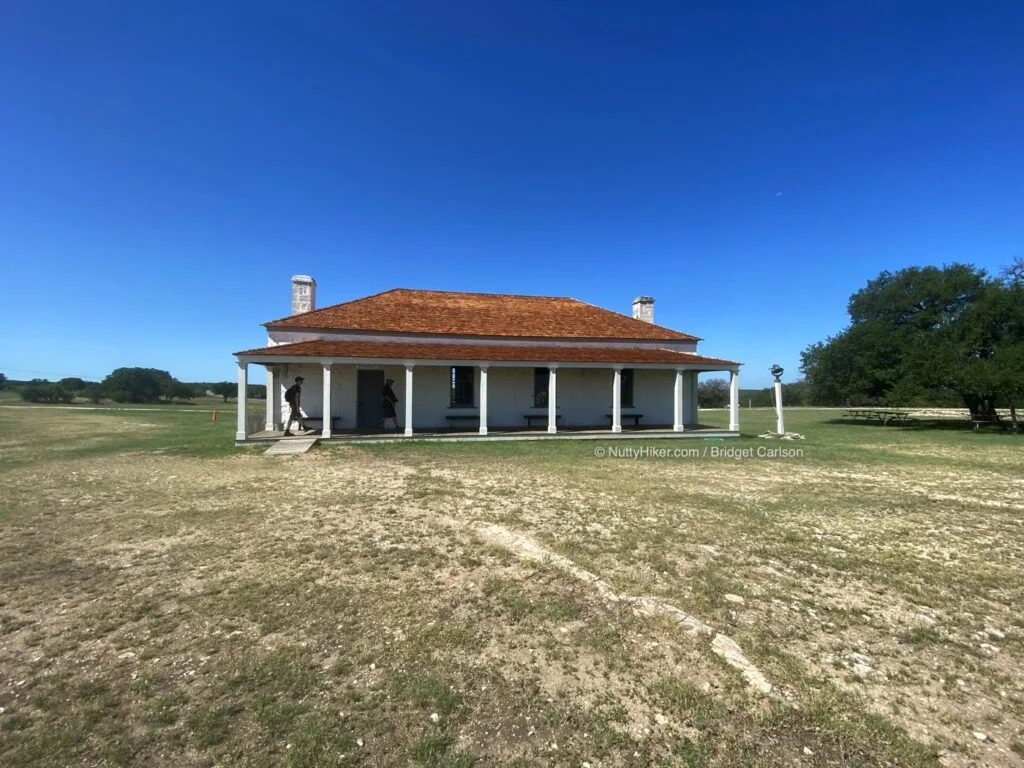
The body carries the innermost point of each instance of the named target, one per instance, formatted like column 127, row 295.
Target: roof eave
column 715, row 367
column 279, row 354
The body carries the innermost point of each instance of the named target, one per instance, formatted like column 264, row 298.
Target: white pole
column 483, row 399
column 780, row 426
column 734, row 401
column 408, row 401
column 243, row 391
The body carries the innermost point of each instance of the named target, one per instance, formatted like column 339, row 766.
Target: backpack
column 289, row 394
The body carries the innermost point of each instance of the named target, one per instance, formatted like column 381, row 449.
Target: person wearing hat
column 292, row 396
column 388, row 404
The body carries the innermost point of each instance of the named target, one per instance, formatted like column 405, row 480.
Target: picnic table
column 881, row 415
column 979, row 421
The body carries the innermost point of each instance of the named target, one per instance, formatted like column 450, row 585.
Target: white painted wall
column 652, row 396
column 584, row 395
column 510, row 395
column 343, row 391
column 430, row 397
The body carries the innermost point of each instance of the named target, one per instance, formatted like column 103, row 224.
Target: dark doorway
column 369, row 410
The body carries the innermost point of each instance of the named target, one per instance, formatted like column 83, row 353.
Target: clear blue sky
column 165, row 167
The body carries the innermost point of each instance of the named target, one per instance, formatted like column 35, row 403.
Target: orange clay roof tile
column 403, row 310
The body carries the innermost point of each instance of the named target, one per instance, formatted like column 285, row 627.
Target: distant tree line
column 714, row 393
column 228, row 389
column 126, row 385
column 927, row 336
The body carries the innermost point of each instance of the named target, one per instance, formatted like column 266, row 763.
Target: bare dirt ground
column 517, row 604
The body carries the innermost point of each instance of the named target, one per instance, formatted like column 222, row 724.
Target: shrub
column 45, row 392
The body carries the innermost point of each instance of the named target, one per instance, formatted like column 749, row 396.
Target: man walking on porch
column 292, row 396
column 389, row 400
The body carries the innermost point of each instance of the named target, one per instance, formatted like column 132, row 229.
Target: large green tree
column 178, row 390
column 73, row 384
column 144, row 385
column 713, row 393
column 922, row 334
column 225, row 389
column 981, row 355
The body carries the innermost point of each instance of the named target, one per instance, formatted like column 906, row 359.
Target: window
column 626, row 388
column 540, row 387
column 462, row 386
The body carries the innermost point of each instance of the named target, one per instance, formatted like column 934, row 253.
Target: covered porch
column 474, row 391
column 352, row 436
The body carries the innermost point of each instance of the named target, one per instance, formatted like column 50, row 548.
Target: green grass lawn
column 11, row 396
column 171, row 600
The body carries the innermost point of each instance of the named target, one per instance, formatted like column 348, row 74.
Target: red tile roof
column 477, row 314
column 485, row 352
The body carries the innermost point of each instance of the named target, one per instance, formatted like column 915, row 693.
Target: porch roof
column 506, row 353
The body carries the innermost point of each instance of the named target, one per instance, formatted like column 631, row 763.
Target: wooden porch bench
column 634, row 416
column 531, row 416
column 453, row 417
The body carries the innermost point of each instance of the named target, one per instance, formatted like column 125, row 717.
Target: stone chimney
column 643, row 309
column 303, row 294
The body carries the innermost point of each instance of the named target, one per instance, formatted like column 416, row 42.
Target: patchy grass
column 171, row 600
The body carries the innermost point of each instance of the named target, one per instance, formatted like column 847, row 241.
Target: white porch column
column 677, row 402
column 734, row 400
column 243, row 392
column 552, row 387
column 271, row 382
column 408, row 401
column 483, row 399
column 617, row 400
column 325, row 433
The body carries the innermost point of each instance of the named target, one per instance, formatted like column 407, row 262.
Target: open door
column 369, row 406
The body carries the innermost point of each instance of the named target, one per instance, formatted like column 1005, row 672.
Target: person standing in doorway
column 389, row 400
column 293, row 396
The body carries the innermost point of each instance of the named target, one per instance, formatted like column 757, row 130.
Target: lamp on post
column 776, row 371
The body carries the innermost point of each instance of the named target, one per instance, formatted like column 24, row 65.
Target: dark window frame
column 461, row 387
column 541, row 380
column 626, row 382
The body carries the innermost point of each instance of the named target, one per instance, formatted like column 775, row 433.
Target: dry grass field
column 170, row 600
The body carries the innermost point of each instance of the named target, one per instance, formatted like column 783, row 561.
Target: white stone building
column 483, row 363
